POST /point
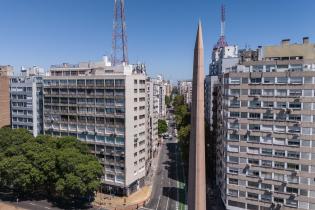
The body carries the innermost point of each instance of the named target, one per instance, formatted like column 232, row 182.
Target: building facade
column 265, row 112
column 104, row 106
column 185, row 89
column 5, row 73
column 26, row 93
column 153, row 115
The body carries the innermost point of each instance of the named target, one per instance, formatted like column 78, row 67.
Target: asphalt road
column 168, row 191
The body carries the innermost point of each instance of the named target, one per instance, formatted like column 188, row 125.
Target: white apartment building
column 265, row 112
column 104, row 106
column 153, row 114
column 26, row 99
column 185, row 89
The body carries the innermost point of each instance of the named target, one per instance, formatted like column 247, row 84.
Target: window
column 279, row 177
column 234, row 80
column 235, row 103
column 281, row 92
column 268, row 116
column 265, row 151
column 307, row 106
column 254, row 127
column 243, row 114
column 269, row 80
column 255, row 92
column 308, row 93
column 253, row 150
column 279, row 165
column 306, row 118
column 254, row 115
column 292, row 154
column 293, row 142
column 233, row 170
column 296, row 80
column 234, row 137
column 295, row 92
column 235, row 92
column 268, row 104
column 244, row 103
column 279, row 141
column 268, row 92
column 253, row 184
column 244, row 80
column 255, row 139
column 281, row 104
column 293, row 166
column 233, row 159
column 244, row 92
column 233, row 181
column 294, row 117
column 234, row 114
column 282, row 80
column 252, row 195
column 295, row 105
column 254, row 104
column 279, row 153
column 253, row 161
column 308, row 80
column 306, row 131
column 266, row 163
column 233, row 193
column 255, row 80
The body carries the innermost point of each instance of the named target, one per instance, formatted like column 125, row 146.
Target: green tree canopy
column 162, row 126
column 61, row 167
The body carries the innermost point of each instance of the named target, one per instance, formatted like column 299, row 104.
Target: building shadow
column 175, row 194
column 170, row 164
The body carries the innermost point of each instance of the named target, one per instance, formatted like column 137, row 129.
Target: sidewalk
column 4, row 206
column 113, row 202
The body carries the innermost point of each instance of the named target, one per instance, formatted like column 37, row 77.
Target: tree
column 167, row 101
column 162, row 126
column 184, row 136
column 60, row 167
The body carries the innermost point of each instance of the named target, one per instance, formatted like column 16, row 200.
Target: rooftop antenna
column 222, row 42
column 119, row 39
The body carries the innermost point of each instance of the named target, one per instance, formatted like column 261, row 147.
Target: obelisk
column 197, row 170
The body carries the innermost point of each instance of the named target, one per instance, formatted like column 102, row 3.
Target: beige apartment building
column 104, row 106
column 264, row 109
column 5, row 73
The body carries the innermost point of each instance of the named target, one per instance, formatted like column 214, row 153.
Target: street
column 168, row 188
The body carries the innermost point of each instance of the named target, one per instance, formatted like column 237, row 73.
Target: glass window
column 308, row 93
column 306, row 131
column 281, row 92
column 268, row 104
column 269, row 80
column 282, row 80
column 296, row 80
column 307, row 106
column 281, row 104
column 308, row 80
column 295, row 92
column 306, row 118
column 244, row 92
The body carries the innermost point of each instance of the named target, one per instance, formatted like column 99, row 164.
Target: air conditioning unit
column 103, row 159
column 102, row 150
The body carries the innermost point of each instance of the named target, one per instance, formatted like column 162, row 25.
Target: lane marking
column 34, row 204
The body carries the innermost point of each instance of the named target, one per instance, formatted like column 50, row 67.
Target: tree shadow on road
column 8, row 196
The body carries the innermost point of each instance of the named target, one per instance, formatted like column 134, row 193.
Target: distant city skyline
column 160, row 33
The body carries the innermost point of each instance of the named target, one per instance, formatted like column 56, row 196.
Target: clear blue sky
column 161, row 33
